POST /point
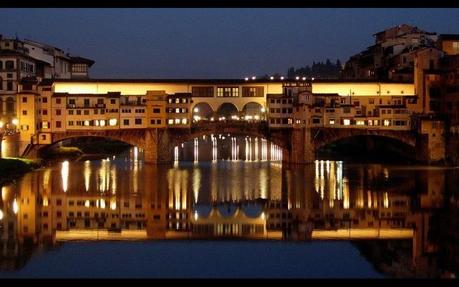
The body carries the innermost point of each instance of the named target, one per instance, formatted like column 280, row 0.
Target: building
column 21, row 59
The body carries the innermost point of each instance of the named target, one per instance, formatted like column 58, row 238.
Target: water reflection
column 123, row 199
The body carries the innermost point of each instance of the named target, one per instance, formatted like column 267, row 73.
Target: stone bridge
column 299, row 145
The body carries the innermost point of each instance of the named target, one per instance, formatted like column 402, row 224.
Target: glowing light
column 86, row 203
column 196, row 110
column 271, row 78
column 112, row 122
column 1, row 214
column 196, row 215
column 263, row 110
column 253, row 78
column 102, row 123
column 346, row 122
column 212, row 119
column 1, row 124
column 256, row 117
column 246, row 79
column 297, row 78
column 15, row 206
column 15, row 121
column 281, row 78
column 45, row 201
column 304, row 78
column 65, row 175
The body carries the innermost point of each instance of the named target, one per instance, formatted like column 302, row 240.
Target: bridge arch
column 363, row 142
column 202, row 111
column 227, row 110
column 254, row 110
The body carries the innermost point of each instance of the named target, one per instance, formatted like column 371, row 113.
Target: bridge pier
column 157, row 146
column 302, row 148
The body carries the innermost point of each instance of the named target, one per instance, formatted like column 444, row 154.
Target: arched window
column 10, row 105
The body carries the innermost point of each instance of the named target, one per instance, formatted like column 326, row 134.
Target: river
column 230, row 216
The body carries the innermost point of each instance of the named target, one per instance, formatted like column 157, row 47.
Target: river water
column 230, row 216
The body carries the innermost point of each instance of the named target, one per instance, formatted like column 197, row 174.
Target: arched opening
column 227, row 111
column 368, row 148
column 10, row 105
column 253, row 112
column 227, row 147
column 202, row 112
column 84, row 147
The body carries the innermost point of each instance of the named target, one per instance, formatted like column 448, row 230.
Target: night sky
column 212, row 43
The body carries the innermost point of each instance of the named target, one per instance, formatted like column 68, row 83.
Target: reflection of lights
column 15, row 206
column 65, row 175
column 87, row 174
column 386, row 200
column 263, row 215
column 1, row 124
column 113, row 204
column 196, row 215
column 345, row 193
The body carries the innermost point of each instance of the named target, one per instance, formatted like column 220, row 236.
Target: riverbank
column 13, row 168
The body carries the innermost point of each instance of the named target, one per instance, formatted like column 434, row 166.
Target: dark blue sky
column 212, row 43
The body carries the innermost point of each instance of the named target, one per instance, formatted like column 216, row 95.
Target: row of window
column 227, row 91
column 9, row 65
column 177, row 110
column 281, row 101
column 279, row 110
column 356, row 122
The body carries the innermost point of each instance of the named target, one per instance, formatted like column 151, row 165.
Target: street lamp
column 263, row 110
column 196, row 110
column 15, row 121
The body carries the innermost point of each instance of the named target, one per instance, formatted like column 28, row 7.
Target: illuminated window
column 112, row 122
column 45, row 125
column 96, row 123
column 370, row 122
column 184, row 121
column 346, row 122
column 86, row 123
column 360, row 123
column 170, row 121
column 387, row 122
column 332, row 121
column 376, row 122
column 102, row 123
column 177, row 110
column 177, row 121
